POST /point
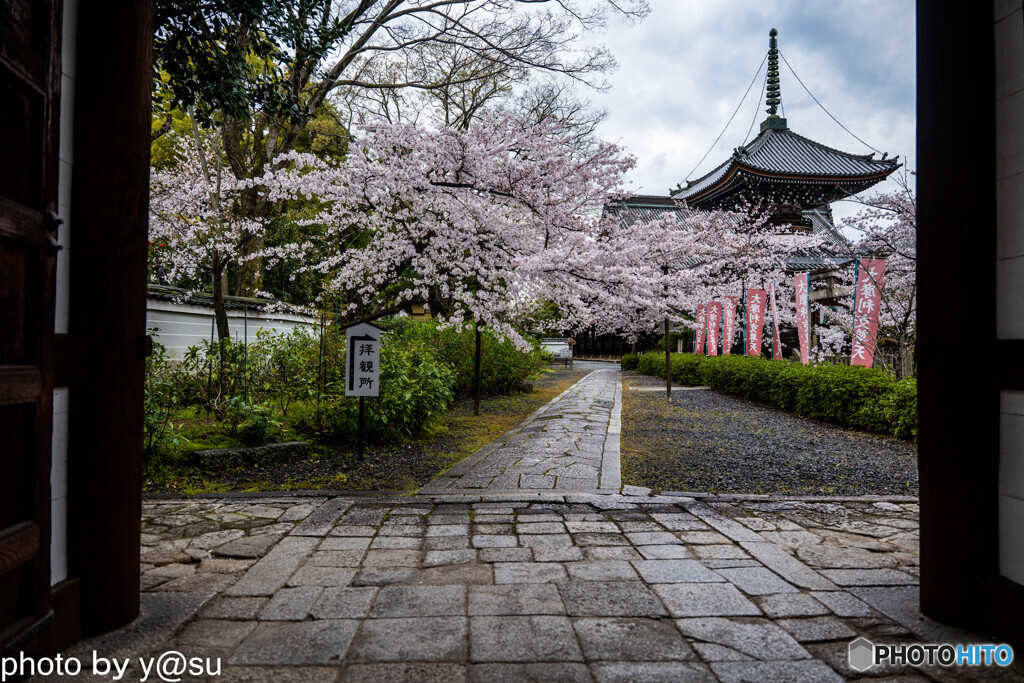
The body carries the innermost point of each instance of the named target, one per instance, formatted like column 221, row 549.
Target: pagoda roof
column 641, row 208
column 778, row 156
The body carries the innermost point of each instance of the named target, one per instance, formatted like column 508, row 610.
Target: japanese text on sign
column 362, row 369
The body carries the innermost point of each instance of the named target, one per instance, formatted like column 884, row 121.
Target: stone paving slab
column 571, row 444
column 751, row 589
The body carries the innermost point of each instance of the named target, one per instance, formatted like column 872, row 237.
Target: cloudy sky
column 683, row 71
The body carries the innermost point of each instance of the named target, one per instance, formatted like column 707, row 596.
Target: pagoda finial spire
column 774, row 92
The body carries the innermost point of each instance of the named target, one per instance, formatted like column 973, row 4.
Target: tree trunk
column 668, row 364
column 250, row 271
column 476, row 373
column 250, row 268
column 906, row 358
column 219, row 312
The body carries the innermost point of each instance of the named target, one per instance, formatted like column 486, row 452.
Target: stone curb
column 596, row 497
column 611, row 458
column 248, row 456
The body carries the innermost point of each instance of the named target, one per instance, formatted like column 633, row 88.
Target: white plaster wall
column 59, row 447
column 1009, row 44
column 183, row 325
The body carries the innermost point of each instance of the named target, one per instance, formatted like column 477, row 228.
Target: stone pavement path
column 570, row 444
column 574, row 587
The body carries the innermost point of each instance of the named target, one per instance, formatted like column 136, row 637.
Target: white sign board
column 362, row 361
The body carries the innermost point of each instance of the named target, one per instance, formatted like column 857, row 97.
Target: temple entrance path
column 571, row 444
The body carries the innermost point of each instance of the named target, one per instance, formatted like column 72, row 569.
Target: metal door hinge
column 53, row 223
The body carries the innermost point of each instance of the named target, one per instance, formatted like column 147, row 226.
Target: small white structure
column 183, row 320
column 559, row 348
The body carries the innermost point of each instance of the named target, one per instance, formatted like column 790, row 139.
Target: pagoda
column 793, row 177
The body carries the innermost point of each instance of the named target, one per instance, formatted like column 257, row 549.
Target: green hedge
column 652, row 363
column 847, row 395
column 629, row 361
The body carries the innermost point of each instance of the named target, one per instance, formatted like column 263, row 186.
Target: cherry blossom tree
column 192, row 213
column 483, row 224
column 480, row 224
column 888, row 229
column 697, row 256
column 258, row 71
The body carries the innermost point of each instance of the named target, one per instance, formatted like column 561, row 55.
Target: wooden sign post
column 362, row 367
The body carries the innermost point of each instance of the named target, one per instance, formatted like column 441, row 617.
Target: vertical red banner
column 867, row 302
column 776, row 343
column 701, row 329
column 728, row 324
column 714, row 317
column 802, row 286
column 755, row 305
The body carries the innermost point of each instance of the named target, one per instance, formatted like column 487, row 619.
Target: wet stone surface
column 571, row 444
column 742, row 589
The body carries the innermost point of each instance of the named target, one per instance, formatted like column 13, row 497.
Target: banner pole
column 476, row 371
column 695, row 328
column 743, row 332
column 853, row 330
column 810, row 336
column 668, row 364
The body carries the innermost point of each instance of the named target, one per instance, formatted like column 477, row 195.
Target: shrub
column 777, row 383
column 629, row 361
column 899, row 408
column 503, row 368
column 283, row 368
column 259, row 426
column 686, row 369
column 847, row 395
column 215, row 372
column 850, row 396
column 160, row 397
column 253, row 389
column 652, row 363
column 414, row 386
column 250, row 422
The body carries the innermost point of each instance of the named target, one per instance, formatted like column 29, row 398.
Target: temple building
column 787, row 173
column 792, row 177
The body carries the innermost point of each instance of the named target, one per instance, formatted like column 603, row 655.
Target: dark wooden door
column 29, row 111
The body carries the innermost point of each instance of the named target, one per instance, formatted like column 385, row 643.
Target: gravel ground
column 707, row 441
column 396, row 467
